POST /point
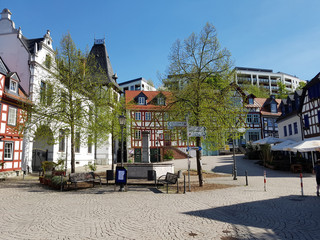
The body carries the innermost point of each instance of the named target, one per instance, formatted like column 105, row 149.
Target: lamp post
column 158, row 150
column 122, row 122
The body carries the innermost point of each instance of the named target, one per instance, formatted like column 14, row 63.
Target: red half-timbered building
column 149, row 113
column 12, row 96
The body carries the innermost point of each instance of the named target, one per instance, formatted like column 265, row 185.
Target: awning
column 268, row 140
column 307, row 145
column 282, row 146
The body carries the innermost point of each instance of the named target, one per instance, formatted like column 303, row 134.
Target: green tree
column 73, row 100
column 200, row 79
column 282, row 92
column 301, row 85
column 259, row 92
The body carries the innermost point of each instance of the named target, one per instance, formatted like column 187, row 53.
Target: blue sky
column 282, row 35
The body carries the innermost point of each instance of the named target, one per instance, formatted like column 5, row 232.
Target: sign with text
column 195, row 131
column 194, row 148
column 177, row 124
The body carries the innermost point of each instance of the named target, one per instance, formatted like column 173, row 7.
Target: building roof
column 131, row 95
column 30, row 43
column 99, row 50
column 264, row 102
column 3, row 68
column 133, row 80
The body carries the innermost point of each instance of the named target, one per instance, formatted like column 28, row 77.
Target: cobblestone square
column 30, row 211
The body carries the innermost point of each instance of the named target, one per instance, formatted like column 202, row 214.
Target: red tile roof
column 130, row 104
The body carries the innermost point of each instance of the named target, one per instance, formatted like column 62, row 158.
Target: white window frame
column 137, row 134
column 256, row 118
column 12, row 116
column 137, row 116
column 10, row 153
column 13, row 86
column 161, row 101
column 148, row 116
column 141, row 100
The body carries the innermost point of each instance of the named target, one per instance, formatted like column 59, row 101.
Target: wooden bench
column 75, row 178
column 169, row 178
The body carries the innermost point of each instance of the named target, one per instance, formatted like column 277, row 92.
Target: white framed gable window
column 8, row 150
column 13, row 87
column 141, row 101
column 160, row 101
column 12, row 116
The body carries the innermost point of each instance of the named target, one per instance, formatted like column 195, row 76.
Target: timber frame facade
column 12, row 97
column 310, row 108
column 149, row 114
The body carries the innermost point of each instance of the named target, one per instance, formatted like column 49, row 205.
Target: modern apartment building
column 266, row 78
column 138, row 84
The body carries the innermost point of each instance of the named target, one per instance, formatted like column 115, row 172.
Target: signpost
column 195, row 131
column 192, row 131
column 194, row 148
column 177, row 124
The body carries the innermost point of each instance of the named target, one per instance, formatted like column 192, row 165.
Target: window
column 90, row 144
column 306, row 121
column 61, row 141
column 131, row 88
column 160, row 101
column 256, row 118
column 137, row 134
column 142, row 101
column 295, row 128
column 77, row 142
column 285, row 131
column 250, row 100
column 249, row 118
column 8, row 150
column 48, row 60
column 138, row 115
column 43, row 87
column 274, row 108
column 253, row 136
column 148, row 116
column 290, row 129
column 12, row 116
column 13, row 86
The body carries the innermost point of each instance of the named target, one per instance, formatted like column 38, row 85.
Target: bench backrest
column 84, row 176
column 171, row 178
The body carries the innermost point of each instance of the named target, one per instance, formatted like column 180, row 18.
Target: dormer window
column 250, row 100
column 160, row 101
column 142, row 101
column 13, row 86
column 273, row 107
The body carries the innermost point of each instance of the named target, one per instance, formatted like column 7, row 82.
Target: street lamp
column 122, row 122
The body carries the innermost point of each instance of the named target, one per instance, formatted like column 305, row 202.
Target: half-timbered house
column 12, row 97
column 149, row 114
column 310, row 108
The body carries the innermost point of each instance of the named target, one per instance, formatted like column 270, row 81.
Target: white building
column 266, row 78
column 138, row 84
column 289, row 123
column 28, row 58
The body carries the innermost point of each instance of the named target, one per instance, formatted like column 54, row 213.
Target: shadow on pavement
column 289, row 217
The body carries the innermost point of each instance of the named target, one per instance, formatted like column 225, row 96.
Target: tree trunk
column 199, row 166
column 73, row 167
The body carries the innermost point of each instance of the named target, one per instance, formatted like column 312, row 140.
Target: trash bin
column 151, row 175
column 109, row 175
